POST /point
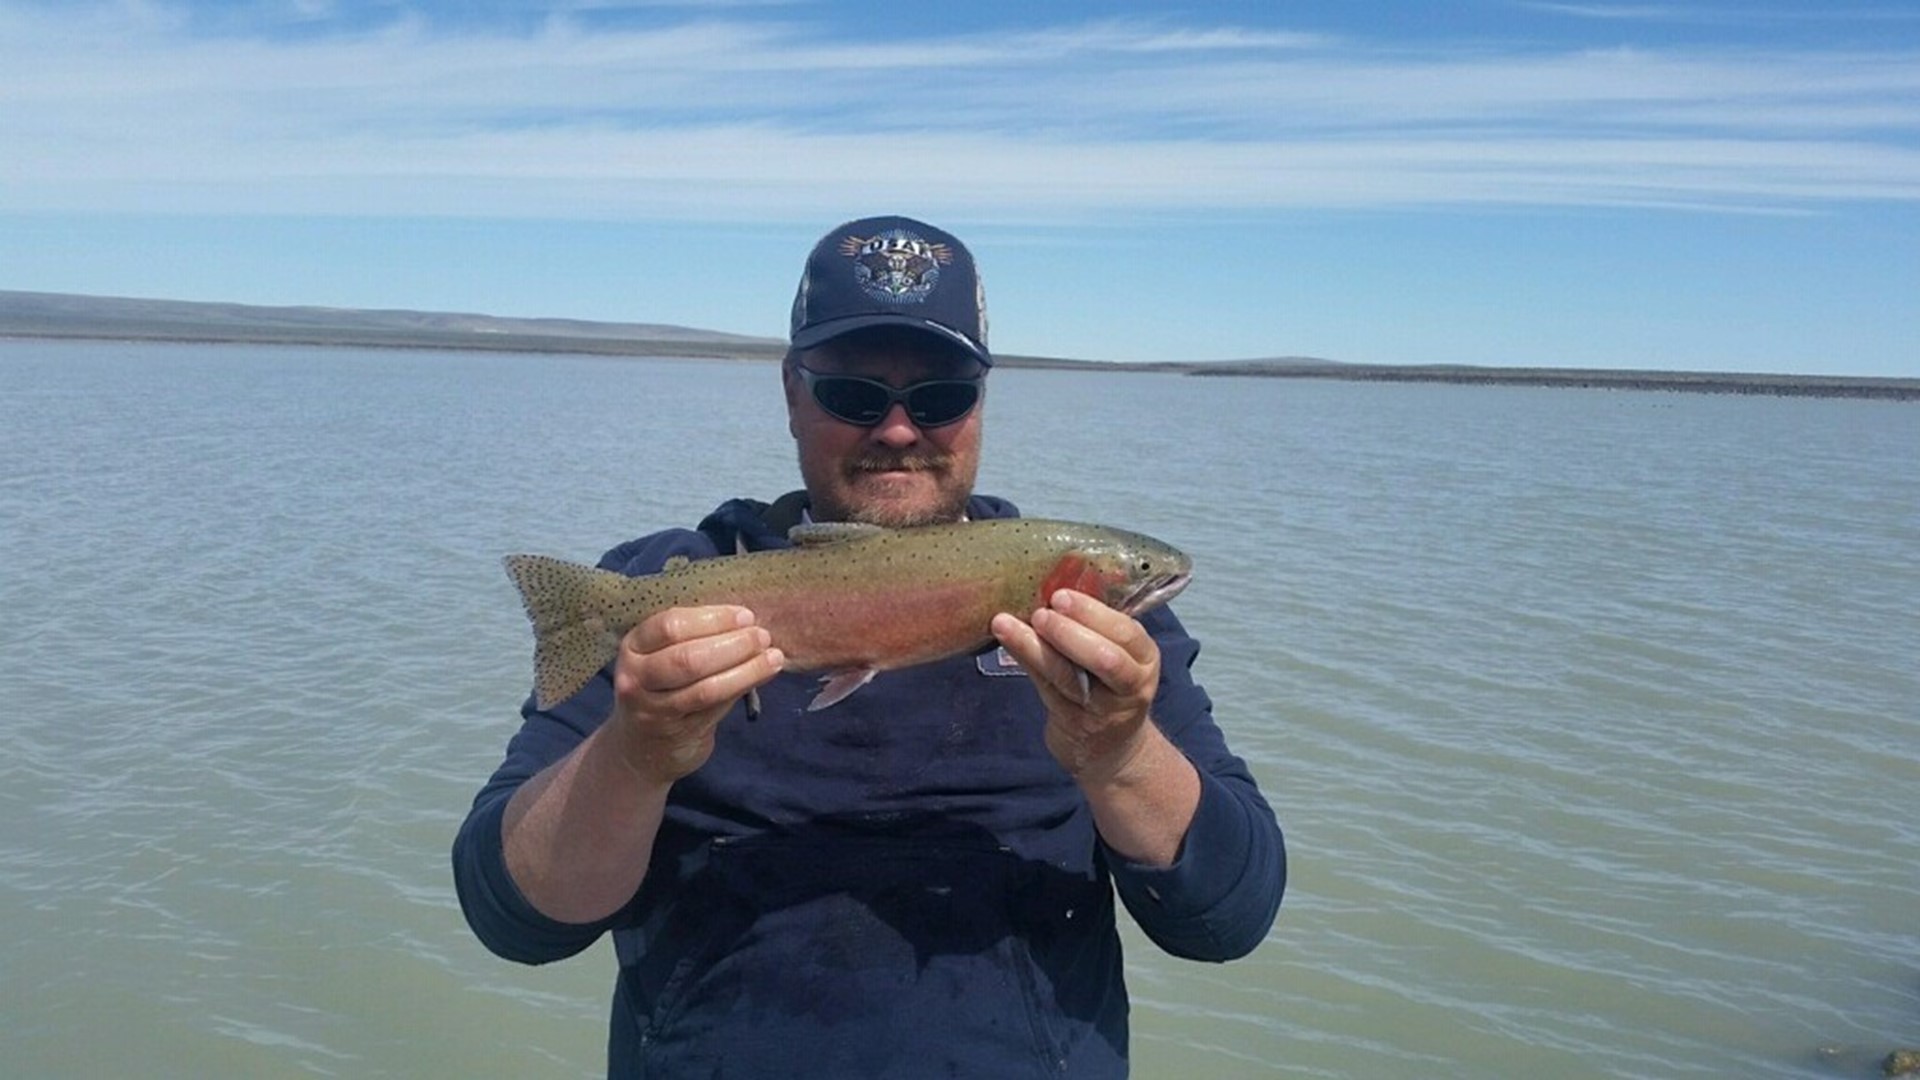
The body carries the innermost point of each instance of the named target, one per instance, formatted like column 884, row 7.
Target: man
column 918, row 880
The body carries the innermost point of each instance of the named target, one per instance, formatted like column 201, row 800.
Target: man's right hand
column 677, row 674
column 579, row 835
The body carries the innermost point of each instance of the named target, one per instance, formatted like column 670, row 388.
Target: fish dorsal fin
column 831, row 532
column 674, row 562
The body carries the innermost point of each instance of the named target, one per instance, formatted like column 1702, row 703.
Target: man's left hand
column 1142, row 789
column 1099, row 736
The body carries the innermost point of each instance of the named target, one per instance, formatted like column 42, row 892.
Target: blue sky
column 1705, row 186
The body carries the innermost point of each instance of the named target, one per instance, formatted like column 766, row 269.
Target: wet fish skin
column 848, row 600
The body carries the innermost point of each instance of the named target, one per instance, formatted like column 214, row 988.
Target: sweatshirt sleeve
column 499, row 914
column 1219, row 898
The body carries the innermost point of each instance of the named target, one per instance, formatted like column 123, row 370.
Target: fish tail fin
column 569, row 605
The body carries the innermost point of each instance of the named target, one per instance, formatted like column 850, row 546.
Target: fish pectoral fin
column 840, row 685
column 831, row 532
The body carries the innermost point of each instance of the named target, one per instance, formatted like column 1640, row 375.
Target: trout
column 848, row 601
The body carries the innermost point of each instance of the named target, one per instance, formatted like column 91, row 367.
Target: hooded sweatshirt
column 905, row 883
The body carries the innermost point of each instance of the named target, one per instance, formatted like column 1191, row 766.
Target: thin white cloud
column 653, row 5
column 123, row 108
column 1745, row 15
column 1658, row 12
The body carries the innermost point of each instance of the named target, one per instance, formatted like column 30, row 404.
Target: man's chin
column 901, row 501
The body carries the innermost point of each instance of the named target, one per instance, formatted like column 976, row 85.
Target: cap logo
column 896, row 266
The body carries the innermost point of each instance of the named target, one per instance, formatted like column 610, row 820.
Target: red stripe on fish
column 1071, row 572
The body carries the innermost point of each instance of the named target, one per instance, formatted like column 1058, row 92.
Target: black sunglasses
column 865, row 402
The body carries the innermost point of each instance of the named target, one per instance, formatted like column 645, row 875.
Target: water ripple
column 1590, row 716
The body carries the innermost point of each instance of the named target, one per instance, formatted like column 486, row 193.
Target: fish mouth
column 1153, row 592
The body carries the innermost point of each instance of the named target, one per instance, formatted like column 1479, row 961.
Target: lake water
column 1593, row 717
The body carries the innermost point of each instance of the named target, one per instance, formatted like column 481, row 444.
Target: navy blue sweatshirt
column 902, row 884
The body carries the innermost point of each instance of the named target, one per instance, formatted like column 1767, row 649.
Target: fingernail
column 777, row 658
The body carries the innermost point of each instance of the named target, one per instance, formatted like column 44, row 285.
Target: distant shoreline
column 1697, row 382
column 54, row 316
column 359, row 339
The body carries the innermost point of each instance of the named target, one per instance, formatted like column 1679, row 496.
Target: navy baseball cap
column 891, row 271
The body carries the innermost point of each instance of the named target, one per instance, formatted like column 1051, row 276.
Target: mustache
column 910, row 461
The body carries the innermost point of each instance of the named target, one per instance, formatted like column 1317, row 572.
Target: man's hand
column 1142, row 789
column 677, row 674
column 1099, row 736
column 579, row 835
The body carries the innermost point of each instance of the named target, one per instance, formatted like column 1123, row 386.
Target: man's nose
column 896, row 429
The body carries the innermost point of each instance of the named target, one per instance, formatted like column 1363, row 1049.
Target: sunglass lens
column 934, row 404
column 856, row 401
